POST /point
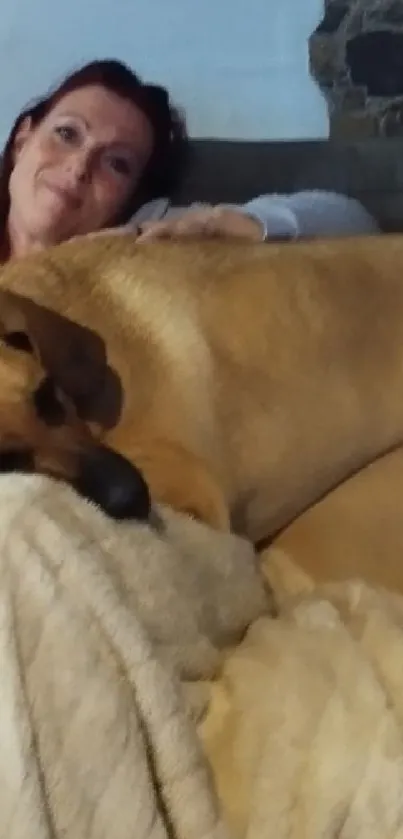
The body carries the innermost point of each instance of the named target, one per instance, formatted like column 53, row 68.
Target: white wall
column 239, row 67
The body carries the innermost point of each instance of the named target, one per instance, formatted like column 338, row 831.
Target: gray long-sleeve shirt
column 311, row 213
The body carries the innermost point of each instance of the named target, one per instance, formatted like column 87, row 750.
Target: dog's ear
column 72, row 355
column 181, row 480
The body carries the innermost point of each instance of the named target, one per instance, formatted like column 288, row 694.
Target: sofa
column 235, row 171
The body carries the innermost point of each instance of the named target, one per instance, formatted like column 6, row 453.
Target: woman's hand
column 207, row 221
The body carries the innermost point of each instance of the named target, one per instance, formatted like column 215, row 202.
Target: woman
column 96, row 151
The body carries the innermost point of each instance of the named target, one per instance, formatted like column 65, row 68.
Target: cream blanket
column 305, row 725
column 128, row 673
column 98, row 624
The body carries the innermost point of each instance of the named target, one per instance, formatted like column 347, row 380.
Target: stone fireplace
column 356, row 57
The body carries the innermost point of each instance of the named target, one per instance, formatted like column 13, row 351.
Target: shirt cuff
column 277, row 224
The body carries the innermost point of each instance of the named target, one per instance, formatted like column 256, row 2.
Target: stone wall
column 356, row 57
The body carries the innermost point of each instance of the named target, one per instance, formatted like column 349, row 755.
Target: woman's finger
column 156, row 230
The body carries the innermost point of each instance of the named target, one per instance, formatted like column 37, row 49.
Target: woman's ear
column 21, row 136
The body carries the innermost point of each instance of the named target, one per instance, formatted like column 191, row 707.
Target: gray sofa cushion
column 370, row 170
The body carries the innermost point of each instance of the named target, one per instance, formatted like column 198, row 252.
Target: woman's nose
column 78, row 166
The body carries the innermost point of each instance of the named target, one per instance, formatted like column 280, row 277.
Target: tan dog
column 356, row 531
column 255, row 377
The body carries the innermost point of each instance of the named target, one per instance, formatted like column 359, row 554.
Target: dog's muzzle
column 113, row 483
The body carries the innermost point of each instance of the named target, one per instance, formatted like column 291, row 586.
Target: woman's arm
column 300, row 215
column 310, row 214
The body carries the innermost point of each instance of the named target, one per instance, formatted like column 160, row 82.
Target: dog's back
column 280, row 366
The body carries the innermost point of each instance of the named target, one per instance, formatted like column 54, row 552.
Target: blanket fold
column 149, row 689
column 305, row 724
column 98, row 624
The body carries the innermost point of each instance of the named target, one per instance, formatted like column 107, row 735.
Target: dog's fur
column 356, row 531
column 254, row 378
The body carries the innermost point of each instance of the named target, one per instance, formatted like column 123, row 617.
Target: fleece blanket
column 304, row 729
column 101, row 627
column 149, row 689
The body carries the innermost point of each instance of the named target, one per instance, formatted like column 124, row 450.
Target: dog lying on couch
column 242, row 381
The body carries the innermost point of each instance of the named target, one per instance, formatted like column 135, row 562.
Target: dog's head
column 56, row 388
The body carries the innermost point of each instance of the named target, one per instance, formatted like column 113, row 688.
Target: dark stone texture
column 333, row 17
column 375, row 62
column 356, row 57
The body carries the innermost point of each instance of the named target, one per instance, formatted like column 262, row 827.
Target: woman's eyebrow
column 73, row 115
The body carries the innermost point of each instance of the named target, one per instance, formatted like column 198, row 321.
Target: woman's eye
column 67, row 133
column 119, row 165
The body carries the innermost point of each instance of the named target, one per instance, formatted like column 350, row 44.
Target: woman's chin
column 51, row 225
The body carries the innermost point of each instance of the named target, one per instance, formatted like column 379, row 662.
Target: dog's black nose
column 112, row 482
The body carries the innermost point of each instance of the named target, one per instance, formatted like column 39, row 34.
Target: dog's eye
column 19, row 341
column 47, row 404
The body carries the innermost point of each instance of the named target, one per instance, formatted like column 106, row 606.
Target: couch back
column 234, row 171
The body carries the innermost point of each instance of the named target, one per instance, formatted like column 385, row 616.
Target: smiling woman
column 93, row 154
column 76, row 170
column 87, row 156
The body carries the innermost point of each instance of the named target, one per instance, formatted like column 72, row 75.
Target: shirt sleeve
column 309, row 214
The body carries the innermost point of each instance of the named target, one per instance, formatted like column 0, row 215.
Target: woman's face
column 74, row 172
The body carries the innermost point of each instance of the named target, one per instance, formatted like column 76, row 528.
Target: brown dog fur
column 356, row 531
column 255, row 377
